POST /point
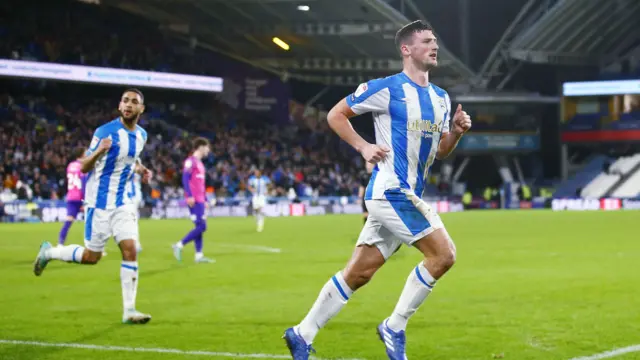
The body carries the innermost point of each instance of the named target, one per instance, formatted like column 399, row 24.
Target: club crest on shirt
column 443, row 104
column 360, row 90
column 94, row 143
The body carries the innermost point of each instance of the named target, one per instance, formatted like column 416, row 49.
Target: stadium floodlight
column 303, row 7
column 280, row 43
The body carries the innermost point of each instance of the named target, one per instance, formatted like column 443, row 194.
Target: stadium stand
column 37, row 134
column 615, row 181
column 582, row 178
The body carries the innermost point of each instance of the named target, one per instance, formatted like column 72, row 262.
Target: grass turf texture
column 527, row 285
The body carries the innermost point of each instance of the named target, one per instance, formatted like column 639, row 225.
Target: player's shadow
column 29, row 352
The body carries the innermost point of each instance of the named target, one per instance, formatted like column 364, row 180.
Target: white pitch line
column 611, row 353
column 152, row 350
column 253, row 247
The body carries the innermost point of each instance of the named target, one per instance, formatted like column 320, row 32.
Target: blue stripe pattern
column 340, row 290
column 411, row 217
column 368, row 194
column 427, row 113
column 109, row 167
column 124, row 177
column 88, row 224
column 422, row 280
column 73, row 256
column 134, row 268
column 398, row 111
column 132, row 192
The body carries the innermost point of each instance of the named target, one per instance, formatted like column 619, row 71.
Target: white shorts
column 100, row 225
column 258, row 202
column 402, row 218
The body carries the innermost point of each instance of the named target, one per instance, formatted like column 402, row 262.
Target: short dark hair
column 200, row 141
column 134, row 90
column 408, row 30
column 78, row 152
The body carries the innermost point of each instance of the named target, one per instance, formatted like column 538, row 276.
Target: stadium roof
column 344, row 42
column 334, row 41
column 580, row 32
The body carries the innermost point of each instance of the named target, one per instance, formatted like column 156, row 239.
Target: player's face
column 424, row 49
column 205, row 150
column 131, row 105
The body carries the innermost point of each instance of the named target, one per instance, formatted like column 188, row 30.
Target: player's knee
column 358, row 278
column 128, row 249
column 448, row 258
column 91, row 258
column 202, row 225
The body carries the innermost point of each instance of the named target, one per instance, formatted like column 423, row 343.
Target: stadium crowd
column 40, row 132
column 39, row 136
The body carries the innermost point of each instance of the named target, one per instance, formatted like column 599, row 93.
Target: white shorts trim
column 403, row 218
column 100, row 225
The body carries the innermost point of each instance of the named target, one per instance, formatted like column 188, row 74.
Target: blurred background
column 553, row 88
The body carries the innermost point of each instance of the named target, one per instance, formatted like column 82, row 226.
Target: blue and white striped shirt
column 107, row 182
column 410, row 120
column 134, row 188
column 260, row 185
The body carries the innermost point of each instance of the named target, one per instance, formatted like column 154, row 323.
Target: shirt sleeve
column 372, row 96
column 185, row 183
column 188, row 165
column 186, row 176
column 98, row 135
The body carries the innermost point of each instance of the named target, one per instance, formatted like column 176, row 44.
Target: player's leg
column 201, row 223
column 96, row 235
column 439, row 256
column 365, row 261
column 374, row 246
column 259, row 220
column 192, row 235
column 258, row 204
column 138, row 244
column 420, row 226
column 73, row 207
column 125, row 231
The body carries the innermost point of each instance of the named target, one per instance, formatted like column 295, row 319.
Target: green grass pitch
column 527, row 285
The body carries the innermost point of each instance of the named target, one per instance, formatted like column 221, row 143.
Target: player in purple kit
column 75, row 193
column 193, row 181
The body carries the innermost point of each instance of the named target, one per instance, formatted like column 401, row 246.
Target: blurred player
column 75, row 193
column 193, row 182
column 134, row 191
column 111, row 157
column 364, row 180
column 411, row 120
column 259, row 187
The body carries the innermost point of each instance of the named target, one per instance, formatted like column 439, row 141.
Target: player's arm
column 139, row 168
column 448, row 143
column 338, row 119
column 449, row 140
column 369, row 97
column 186, row 181
column 250, row 186
column 98, row 147
column 144, row 172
